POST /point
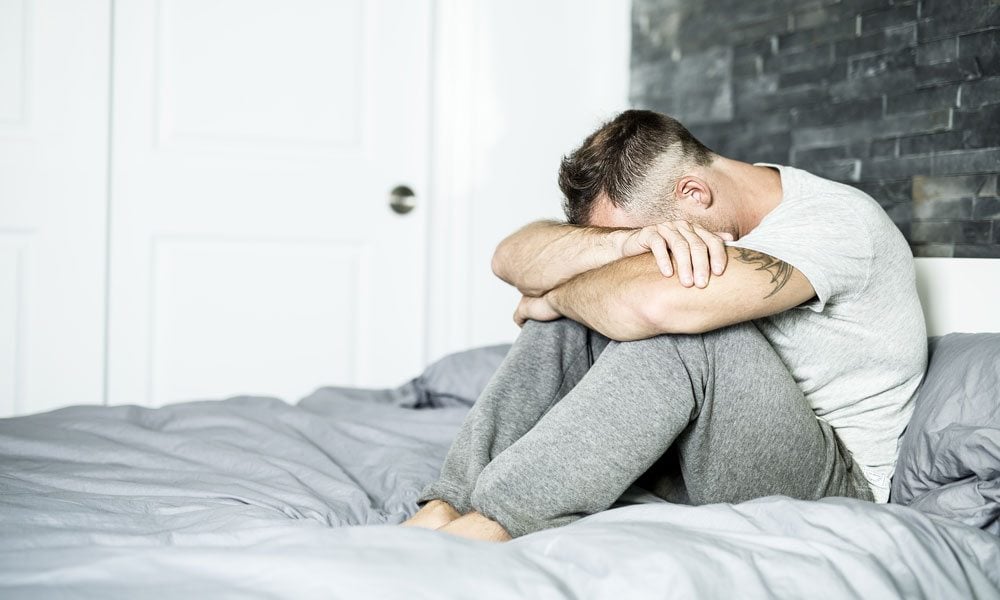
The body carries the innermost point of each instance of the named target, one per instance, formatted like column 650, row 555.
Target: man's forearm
column 545, row 254
column 630, row 299
column 615, row 299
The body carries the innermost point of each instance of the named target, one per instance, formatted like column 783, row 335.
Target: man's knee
column 745, row 332
column 739, row 337
column 551, row 334
column 561, row 334
column 693, row 349
column 661, row 350
column 553, row 325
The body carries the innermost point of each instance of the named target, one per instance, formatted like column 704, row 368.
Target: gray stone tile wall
column 900, row 98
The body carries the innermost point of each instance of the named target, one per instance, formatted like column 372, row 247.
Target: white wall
column 959, row 294
column 537, row 77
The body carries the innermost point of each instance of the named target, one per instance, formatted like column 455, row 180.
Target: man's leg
column 742, row 426
column 545, row 362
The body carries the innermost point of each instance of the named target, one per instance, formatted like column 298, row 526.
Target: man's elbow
column 498, row 265
column 501, row 263
column 501, row 268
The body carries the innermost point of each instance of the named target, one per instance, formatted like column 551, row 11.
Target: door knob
column 402, row 199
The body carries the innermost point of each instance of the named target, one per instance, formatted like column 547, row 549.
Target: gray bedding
column 252, row 497
column 949, row 460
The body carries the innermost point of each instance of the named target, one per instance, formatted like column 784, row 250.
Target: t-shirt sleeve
column 826, row 242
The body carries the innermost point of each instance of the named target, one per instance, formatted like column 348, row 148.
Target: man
column 721, row 330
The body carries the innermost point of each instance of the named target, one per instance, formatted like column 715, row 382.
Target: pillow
column 458, row 379
column 455, row 380
column 949, row 458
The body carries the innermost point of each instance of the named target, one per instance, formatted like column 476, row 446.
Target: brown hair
column 618, row 158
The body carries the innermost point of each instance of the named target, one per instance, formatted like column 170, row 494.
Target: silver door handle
column 402, row 199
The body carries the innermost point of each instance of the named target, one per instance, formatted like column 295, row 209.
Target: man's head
column 640, row 168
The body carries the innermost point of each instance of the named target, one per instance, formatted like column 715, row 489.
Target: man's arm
column 630, row 299
column 545, row 254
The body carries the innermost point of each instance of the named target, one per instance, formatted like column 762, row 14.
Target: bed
column 253, row 497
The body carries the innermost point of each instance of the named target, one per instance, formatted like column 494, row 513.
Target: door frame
column 454, row 36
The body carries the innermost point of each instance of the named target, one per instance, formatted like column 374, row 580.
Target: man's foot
column 434, row 514
column 475, row 526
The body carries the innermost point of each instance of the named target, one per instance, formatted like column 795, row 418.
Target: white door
column 253, row 249
column 53, row 196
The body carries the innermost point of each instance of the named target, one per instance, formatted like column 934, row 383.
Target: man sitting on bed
column 778, row 355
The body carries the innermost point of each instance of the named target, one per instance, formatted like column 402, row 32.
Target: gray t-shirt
column 859, row 349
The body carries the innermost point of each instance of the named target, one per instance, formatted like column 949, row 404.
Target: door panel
column 199, row 292
column 305, row 89
column 252, row 246
column 14, row 23
column 54, row 60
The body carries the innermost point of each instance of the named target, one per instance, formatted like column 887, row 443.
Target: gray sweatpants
column 571, row 419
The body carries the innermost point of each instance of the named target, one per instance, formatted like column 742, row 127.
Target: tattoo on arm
column 779, row 271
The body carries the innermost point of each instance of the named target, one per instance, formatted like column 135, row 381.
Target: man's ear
column 694, row 192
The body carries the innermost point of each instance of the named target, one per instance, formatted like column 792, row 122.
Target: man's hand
column 536, row 309
column 697, row 251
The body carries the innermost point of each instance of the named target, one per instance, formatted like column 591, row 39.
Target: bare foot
column 434, row 514
column 475, row 526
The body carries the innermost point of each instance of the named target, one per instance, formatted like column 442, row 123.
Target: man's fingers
column 519, row 314
column 658, row 246
column 717, row 254
column 633, row 243
column 725, row 235
column 537, row 309
column 700, row 265
column 697, row 253
column 679, row 247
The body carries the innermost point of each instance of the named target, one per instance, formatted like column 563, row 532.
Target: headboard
column 959, row 294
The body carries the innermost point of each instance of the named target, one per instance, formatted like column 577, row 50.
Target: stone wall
column 899, row 98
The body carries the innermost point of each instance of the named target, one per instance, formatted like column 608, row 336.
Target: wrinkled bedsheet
column 252, row 497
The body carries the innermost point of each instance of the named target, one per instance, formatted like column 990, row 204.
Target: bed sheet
column 252, row 497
